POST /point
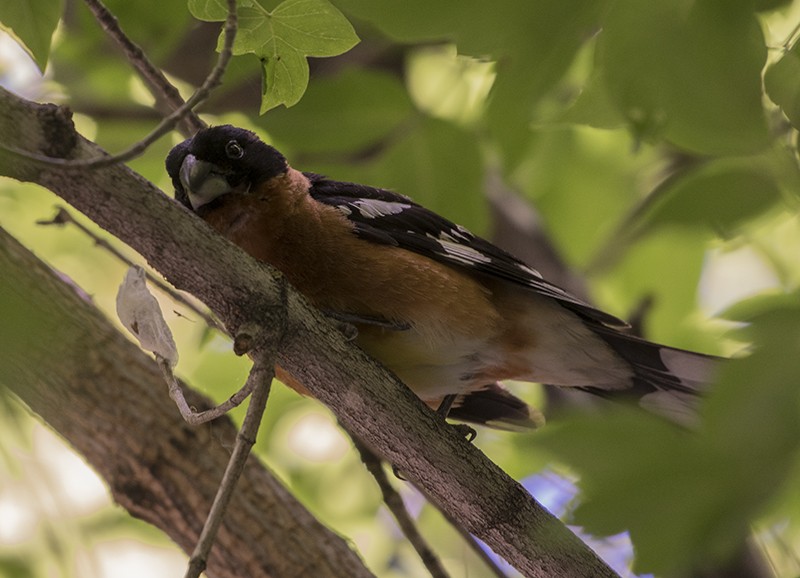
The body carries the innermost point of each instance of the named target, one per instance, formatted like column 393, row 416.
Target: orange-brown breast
column 451, row 314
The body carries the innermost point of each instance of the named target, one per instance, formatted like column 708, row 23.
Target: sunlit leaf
column 594, row 106
column 32, row 23
column 535, row 41
column 285, row 77
column 282, row 39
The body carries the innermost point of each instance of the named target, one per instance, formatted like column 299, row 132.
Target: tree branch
column 63, row 217
column 262, row 375
column 161, row 88
column 365, row 397
column 166, row 125
column 64, row 359
column 394, row 503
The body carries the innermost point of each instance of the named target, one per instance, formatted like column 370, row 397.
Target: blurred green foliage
column 640, row 132
column 32, row 23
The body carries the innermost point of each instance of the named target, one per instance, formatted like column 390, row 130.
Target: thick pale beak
column 202, row 181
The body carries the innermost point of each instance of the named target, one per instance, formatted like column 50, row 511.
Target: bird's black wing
column 385, row 217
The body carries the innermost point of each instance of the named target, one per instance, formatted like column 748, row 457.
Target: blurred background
column 642, row 156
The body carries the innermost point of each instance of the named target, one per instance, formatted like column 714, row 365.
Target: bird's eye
column 234, row 150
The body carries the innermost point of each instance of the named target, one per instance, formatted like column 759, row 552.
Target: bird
column 449, row 313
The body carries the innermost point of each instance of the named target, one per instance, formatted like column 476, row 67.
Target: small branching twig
column 63, row 217
column 159, row 86
column 258, row 382
column 395, row 505
column 165, row 126
column 140, row 313
column 191, row 416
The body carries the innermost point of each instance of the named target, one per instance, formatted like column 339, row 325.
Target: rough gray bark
column 108, row 399
column 368, row 401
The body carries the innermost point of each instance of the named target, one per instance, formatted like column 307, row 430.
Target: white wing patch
column 375, row 208
column 690, row 368
column 456, row 235
column 529, row 270
column 462, row 253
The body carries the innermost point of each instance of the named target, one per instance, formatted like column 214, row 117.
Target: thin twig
column 159, row 86
column 259, row 381
column 395, row 505
column 63, row 217
column 165, row 126
column 191, row 416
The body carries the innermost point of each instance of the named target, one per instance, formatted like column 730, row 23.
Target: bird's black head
column 221, row 160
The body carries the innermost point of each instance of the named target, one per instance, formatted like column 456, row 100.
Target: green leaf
column 437, row 164
column 664, row 268
column 348, row 112
column 209, row 10
column 580, row 207
column 284, row 76
column 19, row 566
column 754, row 307
column 422, row 166
column 594, row 106
column 313, row 27
column 687, row 71
column 534, row 42
column 782, row 83
column 416, row 20
column 690, row 497
column 32, row 23
column 155, row 25
column 767, row 5
column 720, row 195
column 282, row 39
column 542, row 38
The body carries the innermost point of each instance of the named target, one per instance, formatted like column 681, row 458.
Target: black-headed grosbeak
column 445, row 310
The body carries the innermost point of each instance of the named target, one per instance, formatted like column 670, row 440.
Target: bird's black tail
column 496, row 407
column 666, row 380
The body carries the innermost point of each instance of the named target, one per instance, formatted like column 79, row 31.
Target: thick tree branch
column 107, row 398
column 369, row 401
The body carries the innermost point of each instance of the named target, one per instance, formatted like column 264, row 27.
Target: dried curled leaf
column 140, row 313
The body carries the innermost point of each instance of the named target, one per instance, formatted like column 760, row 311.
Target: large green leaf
column 344, row 113
column 689, row 498
column 782, row 83
column 32, row 23
column 688, row 71
column 581, row 180
column 282, row 38
column 434, row 162
column 534, row 42
column 720, row 195
column 664, row 269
